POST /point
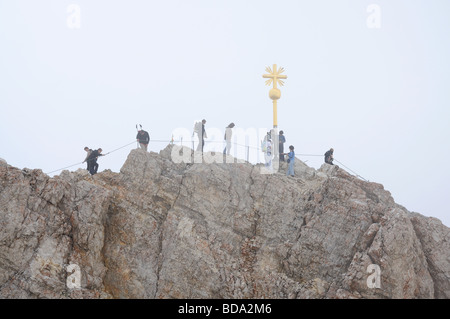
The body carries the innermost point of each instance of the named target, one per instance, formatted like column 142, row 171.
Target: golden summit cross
column 274, row 77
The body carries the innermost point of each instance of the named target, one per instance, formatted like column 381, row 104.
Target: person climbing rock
column 92, row 161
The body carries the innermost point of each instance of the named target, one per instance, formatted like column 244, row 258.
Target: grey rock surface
column 165, row 229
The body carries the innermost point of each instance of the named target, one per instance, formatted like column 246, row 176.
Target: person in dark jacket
column 281, row 141
column 201, row 133
column 143, row 138
column 92, row 161
column 329, row 156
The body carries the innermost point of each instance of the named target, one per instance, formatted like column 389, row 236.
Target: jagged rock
column 172, row 229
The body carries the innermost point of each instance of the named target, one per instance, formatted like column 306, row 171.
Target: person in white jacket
column 227, row 137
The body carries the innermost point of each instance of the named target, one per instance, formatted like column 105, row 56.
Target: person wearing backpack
column 199, row 129
column 290, row 161
column 329, row 156
column 143, row 138
column 92, row 161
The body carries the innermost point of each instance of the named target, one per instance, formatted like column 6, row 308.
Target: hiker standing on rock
column 227, row 137
column 290, row 161
column 329, row 156
column 143, row 138
column 281, row 141
column 199, row 128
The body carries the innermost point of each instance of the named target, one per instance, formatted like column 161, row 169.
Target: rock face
column 161, row 229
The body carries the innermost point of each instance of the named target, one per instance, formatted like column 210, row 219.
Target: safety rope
column 120, row 147
column 60, row 169
column 236, row 144
column 357, row 175
column 259, row 149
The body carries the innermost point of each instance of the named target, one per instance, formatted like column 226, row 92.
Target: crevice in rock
column 161, row 237
column 431, row 269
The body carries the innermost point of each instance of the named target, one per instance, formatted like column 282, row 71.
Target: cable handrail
column 172, row 141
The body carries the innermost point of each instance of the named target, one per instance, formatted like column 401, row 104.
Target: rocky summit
column 168, row 229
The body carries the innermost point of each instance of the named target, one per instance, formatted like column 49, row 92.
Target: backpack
column 197, row 127
column 93, row 156
column 264, row 145
column 146, row 137
column 328, row 157
column 143, row 137
column 269, row 149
